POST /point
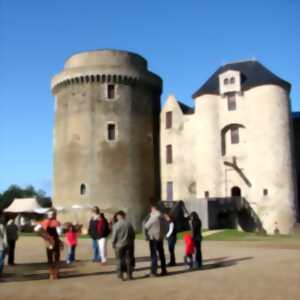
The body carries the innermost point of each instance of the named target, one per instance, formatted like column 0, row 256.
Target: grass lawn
column 235, row 235
column 224, row 235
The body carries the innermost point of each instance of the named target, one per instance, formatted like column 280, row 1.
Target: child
column 71, row 241
column 189, row 250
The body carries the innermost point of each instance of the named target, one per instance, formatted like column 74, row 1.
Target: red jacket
column 100, row 227
column 71, row 238
column 189, row 244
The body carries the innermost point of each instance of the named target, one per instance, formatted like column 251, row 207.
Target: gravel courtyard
column 232, row 270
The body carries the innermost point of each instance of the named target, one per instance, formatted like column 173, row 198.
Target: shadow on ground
column 38, row 271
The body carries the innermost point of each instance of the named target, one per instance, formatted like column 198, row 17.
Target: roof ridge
column 253, row 59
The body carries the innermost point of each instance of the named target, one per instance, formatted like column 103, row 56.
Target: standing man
column 3, row 243
column 123, row 236
column 93, row 233
column 12, row 236
column 155, row 228
column 172, row 239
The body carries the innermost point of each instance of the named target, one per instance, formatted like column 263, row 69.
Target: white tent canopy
column 25, row 205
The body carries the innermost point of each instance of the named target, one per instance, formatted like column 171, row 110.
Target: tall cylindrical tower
column 106, row 144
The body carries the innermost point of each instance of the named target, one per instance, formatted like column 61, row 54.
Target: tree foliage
column 15, row 191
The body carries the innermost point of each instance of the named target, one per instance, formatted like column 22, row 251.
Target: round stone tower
column 106, row 144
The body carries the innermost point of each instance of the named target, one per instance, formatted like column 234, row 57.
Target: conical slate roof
column 253, row 74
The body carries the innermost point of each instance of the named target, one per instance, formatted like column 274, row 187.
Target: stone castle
column 231, row 157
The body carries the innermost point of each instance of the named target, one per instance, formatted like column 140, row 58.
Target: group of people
column 157, row 227
column 9, row 234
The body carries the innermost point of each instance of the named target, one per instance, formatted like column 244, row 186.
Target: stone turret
column 106, row 142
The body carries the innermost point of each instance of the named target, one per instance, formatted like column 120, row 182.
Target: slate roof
column 187, row 110
column 253, row 74
column 296, row 114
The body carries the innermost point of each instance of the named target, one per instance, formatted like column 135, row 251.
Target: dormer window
column 229, row 81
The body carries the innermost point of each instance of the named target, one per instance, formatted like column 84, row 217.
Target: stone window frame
column 234, row 135
column 116, row 91
column 170, row 191
column 169, row 154
column 231, row 101
column 83, row 189
column 169, row 119
column 116, row 132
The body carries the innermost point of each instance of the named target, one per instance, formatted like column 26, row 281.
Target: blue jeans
column 2, row 256
column 97, row 256
column 71, row 254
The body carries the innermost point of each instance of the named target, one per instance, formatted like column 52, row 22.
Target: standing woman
column 196, row 227
column 50, row 230
column 172, row 239
column 103, row 232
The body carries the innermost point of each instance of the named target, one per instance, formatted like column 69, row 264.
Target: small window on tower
column 226, row 81
column 231, row 101
column 111, row 132
column 235, row 139
column 265, row 192
column 206, row 194
column 168, row 119
column 169, row 154
column 82, row 189
column 111, row 91
column 232, row 80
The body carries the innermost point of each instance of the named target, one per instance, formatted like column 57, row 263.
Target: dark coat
column 196, row 227
column 93, row 232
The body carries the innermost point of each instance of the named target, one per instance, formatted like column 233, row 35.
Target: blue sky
column 183, row 41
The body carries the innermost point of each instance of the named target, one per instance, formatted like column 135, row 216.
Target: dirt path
column 232, row 270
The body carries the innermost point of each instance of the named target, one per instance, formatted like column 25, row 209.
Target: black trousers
column 53, row 256
column 157, row 247
column 171, row 245
column 125, row 260
column 11, row 251
column 198, row 256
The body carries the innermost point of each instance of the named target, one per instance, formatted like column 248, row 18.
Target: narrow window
column 206, row 194
column 169, row 191
column 110, row 91
column 168, row 119
column 82, row 189
column 235, row 139
column 231, row 101
column 265, row 192
column 232, row 80
column 226, row 81
column 111, row 132
column 169, row 154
